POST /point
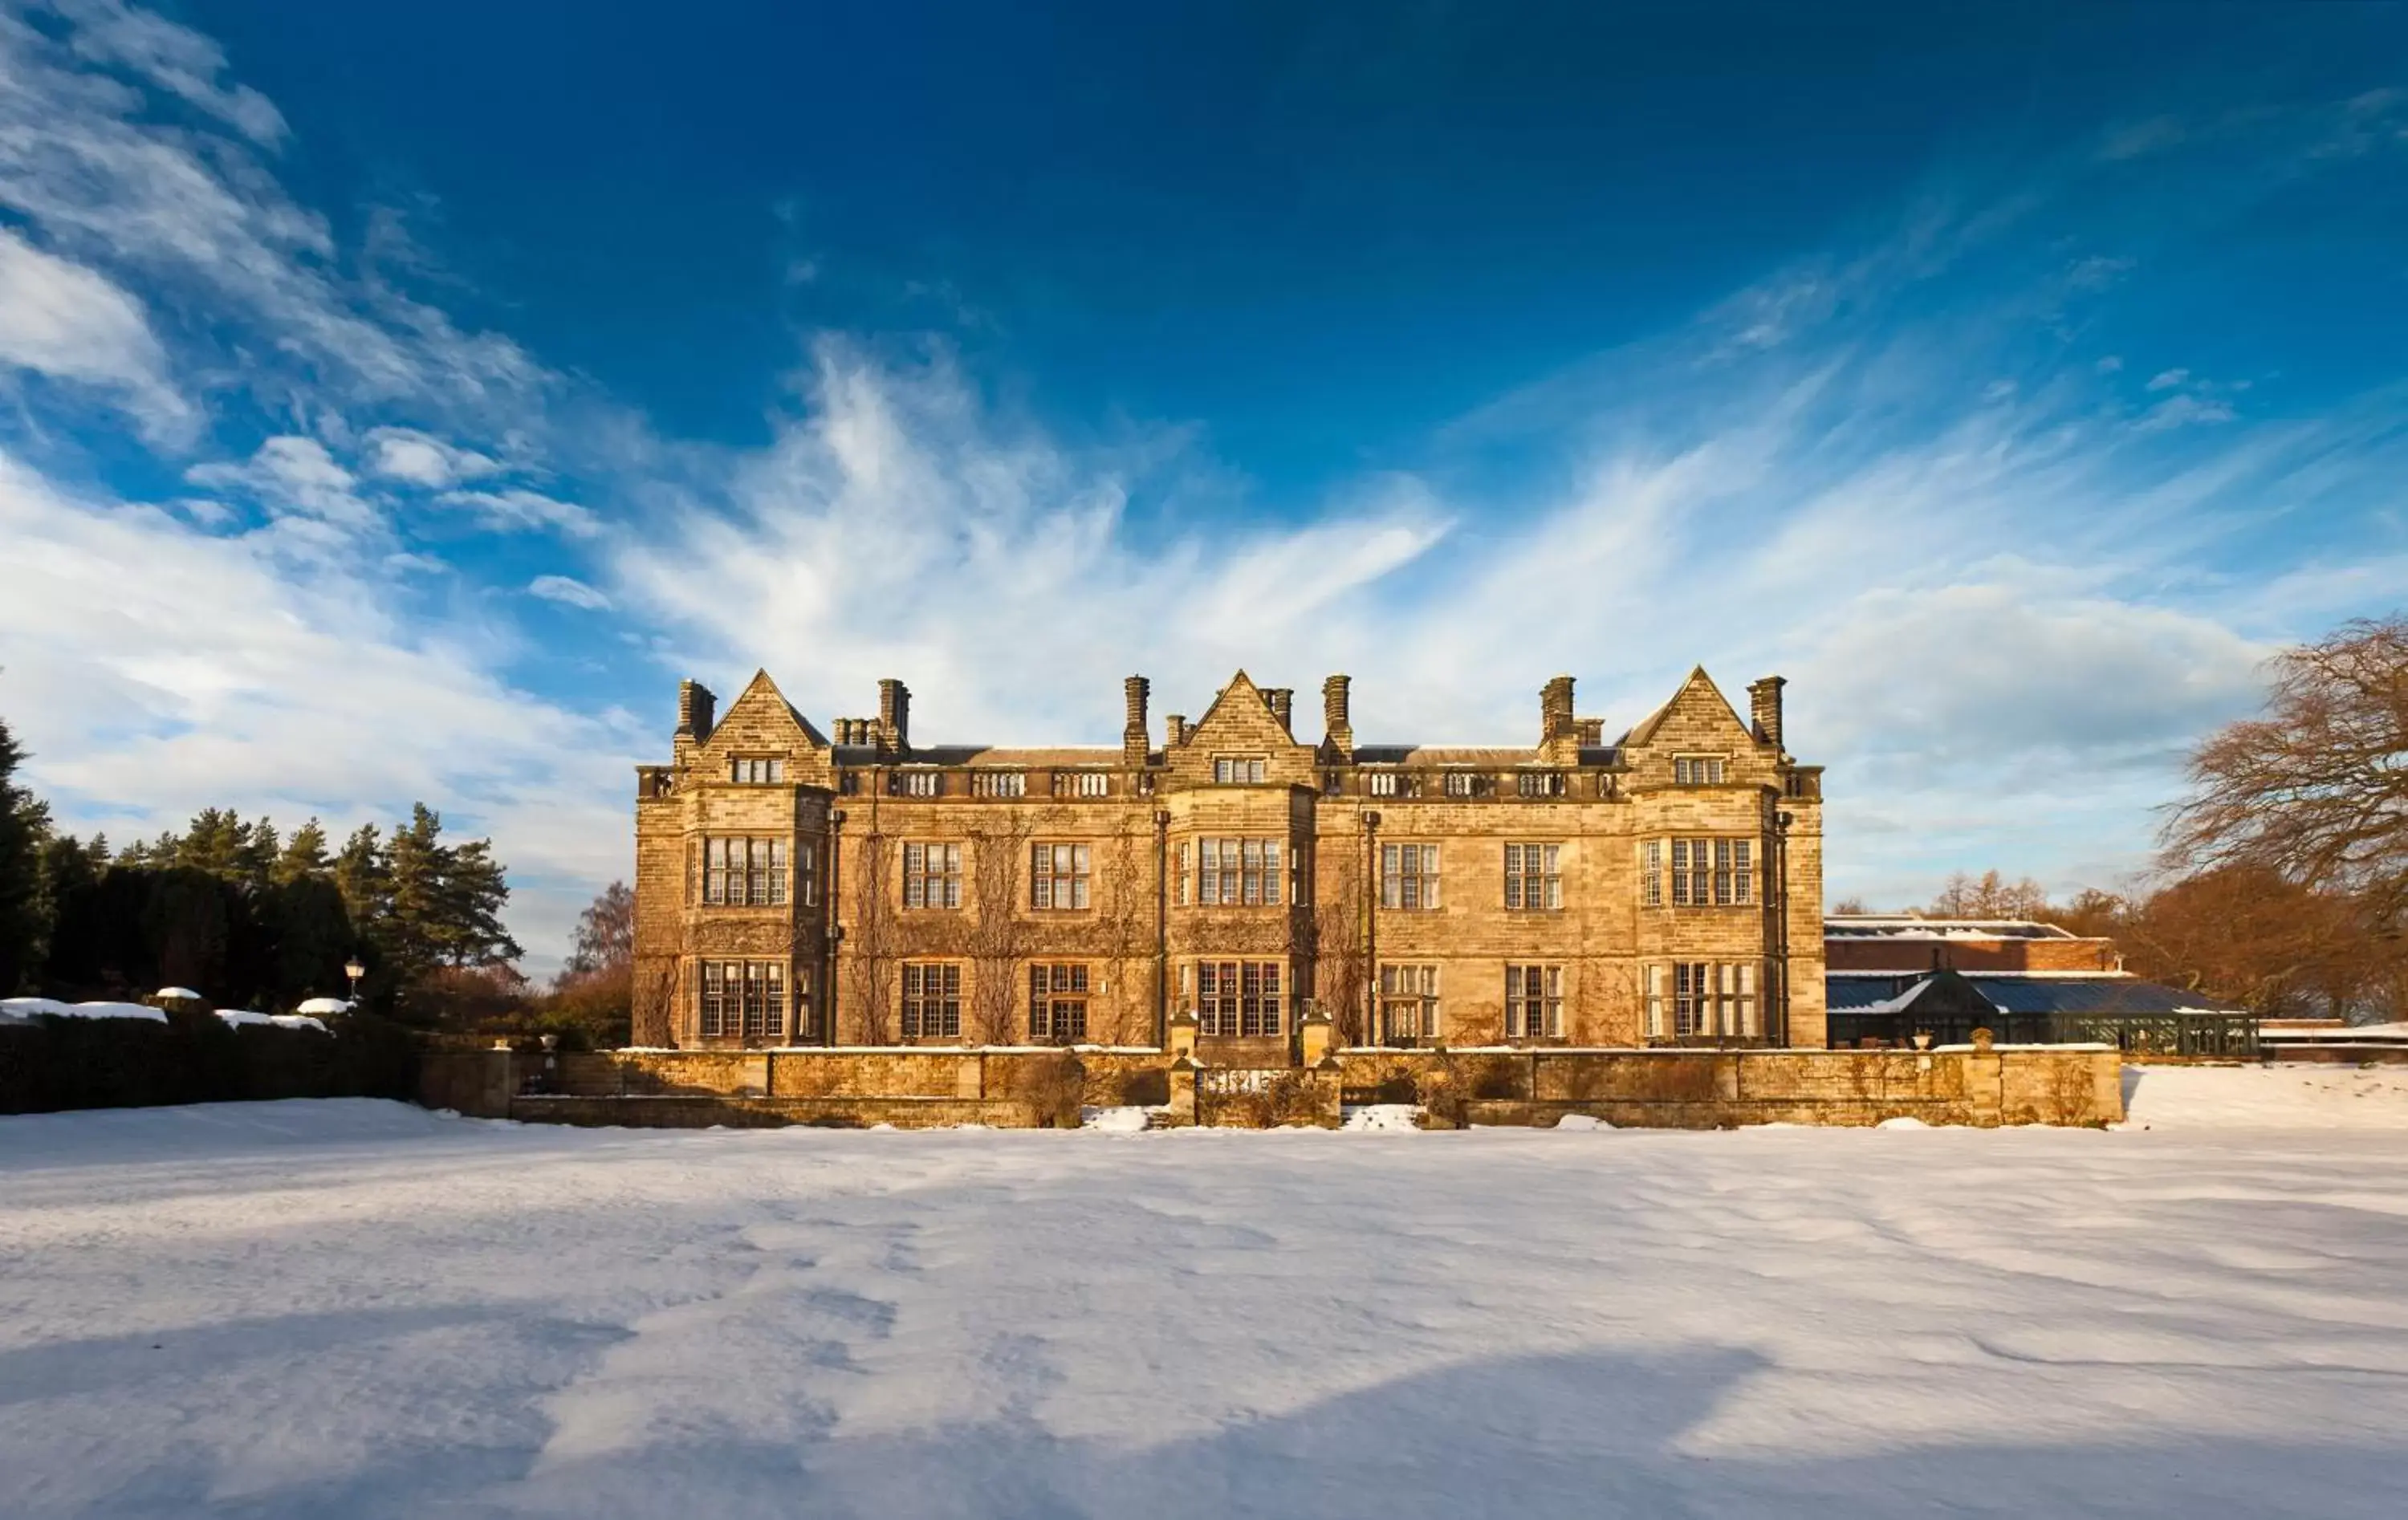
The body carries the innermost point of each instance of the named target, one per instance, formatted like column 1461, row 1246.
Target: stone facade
column 851, row 887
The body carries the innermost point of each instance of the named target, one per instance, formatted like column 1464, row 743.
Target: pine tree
column 24, row 826
column 361, row 875
column 213, row 843
column 302, row 855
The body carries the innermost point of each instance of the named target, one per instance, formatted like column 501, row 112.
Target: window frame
column 756, row 770
column 743, row 999
column 1235, row 871
column 745, row 870
column 1520, row 878
column 1527, row 1010
column 1239, row 769
column 1410, row 870
column 1699, row 769
column 1047, row 868
column 946, row 875
column 1714, row 871
column 1240, row 1000
column 918, row 997
column 1414, row 983
column 1704, row 1000
column 1058, row 990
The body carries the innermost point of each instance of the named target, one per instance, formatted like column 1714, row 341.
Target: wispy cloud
column 64, row 320
column 568, row 593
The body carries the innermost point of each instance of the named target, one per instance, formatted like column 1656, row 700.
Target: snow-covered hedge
column 192, row 1055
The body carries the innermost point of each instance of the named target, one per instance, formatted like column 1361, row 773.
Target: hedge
column 197, row 1057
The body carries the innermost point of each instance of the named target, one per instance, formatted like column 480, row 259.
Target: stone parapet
column 1980, row 1086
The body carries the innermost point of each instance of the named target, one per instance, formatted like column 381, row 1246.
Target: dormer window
column 749, row 771
column 1698, row 770
column 1237, row 769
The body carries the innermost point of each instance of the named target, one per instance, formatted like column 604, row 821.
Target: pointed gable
column 1240, row 722
column 1698, row 715
column 763, row 719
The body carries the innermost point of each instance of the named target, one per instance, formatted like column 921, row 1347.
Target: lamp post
column 354, row 970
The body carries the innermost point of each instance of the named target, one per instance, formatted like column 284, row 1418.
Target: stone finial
column 1283, row 702
column 1134, row 691
column 696, row 706
column 1764, row 707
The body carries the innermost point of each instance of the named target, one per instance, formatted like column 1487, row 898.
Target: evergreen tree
column 302, row 855
column 257, row 853
column 213, row 843
column 445, row 901
column 361, row 875
column 24, row 826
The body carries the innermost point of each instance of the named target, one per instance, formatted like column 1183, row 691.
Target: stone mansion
column 797, row 887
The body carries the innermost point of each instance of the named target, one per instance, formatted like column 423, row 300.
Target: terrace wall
column 1976, row 1084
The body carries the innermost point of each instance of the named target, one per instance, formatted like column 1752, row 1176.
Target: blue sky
column 394, row 403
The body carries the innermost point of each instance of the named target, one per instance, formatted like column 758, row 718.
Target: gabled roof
column 1241, row 691
column 761, row 700
column 1698, row 688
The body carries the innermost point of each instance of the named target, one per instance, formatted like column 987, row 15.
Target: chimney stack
column 1337, row 717
column 895, row 716
column 696, row 707
column 1282, row 701
column 1174, row 725
column 1555, row 710
column 1134, row 691
column 1763, row 705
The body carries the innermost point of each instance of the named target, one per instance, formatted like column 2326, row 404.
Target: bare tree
column 1124, row 926
column 871, row 935
column 1342, row 969
column 1990, row 896
column 999, row 935
column 2315, row 790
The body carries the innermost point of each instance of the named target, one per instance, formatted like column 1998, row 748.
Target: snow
column 186, row 993
column 323, row 1005
column 2265, row 1098
column 280, row 1020
column 20, row 1009
column 359, row 1309
column 1119, row 1121
column 29, row 1006
column 1364, row 1116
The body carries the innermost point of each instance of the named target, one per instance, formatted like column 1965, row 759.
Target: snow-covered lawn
column 354, row 1309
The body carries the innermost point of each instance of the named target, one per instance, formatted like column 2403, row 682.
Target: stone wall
column 1684, row 1089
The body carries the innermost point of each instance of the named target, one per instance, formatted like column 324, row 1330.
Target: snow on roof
column 1916, row 926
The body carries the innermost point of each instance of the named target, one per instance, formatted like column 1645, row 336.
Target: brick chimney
column 1282, row 701
column 1337, row 716
column 695, row 709
column 895, row 716
column 1174, row 728
column 1764, row 706
column 1134, row 691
